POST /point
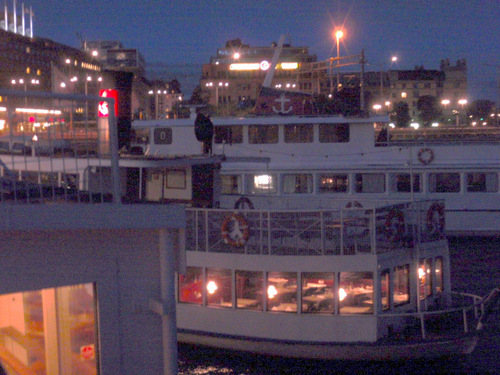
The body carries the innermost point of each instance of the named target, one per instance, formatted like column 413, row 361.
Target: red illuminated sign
column 103, row 109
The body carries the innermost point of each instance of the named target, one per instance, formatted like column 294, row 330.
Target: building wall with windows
column 236, row 73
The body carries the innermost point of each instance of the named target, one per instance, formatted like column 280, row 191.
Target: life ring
column 395, row 225
column 243, row 203
column 425, row 156
column 436, row 219
column 235, row 230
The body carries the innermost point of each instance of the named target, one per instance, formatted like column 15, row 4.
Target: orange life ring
column 235, row 230
column 425, row 156
column 395, row 225
column 436, row 219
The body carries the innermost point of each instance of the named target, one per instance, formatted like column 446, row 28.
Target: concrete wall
column 118, row 248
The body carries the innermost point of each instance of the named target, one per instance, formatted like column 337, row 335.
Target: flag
column 282, row 102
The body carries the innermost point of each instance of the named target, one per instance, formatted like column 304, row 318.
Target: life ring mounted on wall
column 436, row 219
column 235, row 230
column 395, row 225
column 425, row 156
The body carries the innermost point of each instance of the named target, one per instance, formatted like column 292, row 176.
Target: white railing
column 312, row 232
column 449, row 321
column 55, row 148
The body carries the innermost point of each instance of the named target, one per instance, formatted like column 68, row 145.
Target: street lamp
column 462, row 103
column 339, row 34
column 377, row 107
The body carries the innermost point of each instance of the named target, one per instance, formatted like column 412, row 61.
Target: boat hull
column 378, row 351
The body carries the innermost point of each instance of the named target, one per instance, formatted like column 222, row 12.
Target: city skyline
column 421, row 33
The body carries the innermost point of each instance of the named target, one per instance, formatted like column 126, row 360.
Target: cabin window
column 282, row 291
column 301, row 133
column 190, row 286
column 228, row 134
column 262, row 184
column 400, row 182
column 218, row 287
column 401, row 294
column 438, row 264
column 425, row 278
column 176, row 179
column 444, row 182
column 385, row 277
column 297, row 183
column 482, row 182
column 356, row 293
column 369, row 182
column 249, row 286
column 333, row 133
column 162, row 136
column 317, row 292
column 333, row 183
column 231, row 184
column 49, row 328
column 262, row 134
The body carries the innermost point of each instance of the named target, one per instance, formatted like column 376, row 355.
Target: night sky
column 419, row 32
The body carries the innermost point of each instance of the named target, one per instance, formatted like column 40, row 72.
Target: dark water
column 475, row 268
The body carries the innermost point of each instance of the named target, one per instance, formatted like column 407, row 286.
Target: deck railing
column 315, row 232
column 55, row 148
column 439, row 323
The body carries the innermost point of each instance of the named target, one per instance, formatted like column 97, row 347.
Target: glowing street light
column 377, row 107
column 394, row 59
column 339, row 34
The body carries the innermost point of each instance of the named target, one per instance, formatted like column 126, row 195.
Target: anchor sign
column 282, row 100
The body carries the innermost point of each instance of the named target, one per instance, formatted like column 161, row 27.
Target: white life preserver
column 235, row 230
column 425, row 156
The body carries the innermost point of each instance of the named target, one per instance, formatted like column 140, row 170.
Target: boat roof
column 263, row 120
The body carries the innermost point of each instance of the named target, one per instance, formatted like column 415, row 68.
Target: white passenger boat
column 356, row 283
column 299, row 162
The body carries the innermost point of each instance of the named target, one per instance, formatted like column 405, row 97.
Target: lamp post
column 339, row 34
column 462, row 103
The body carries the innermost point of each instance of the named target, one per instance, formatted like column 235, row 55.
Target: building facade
column 235, row 74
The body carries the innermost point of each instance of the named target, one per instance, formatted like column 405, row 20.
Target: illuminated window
column 175, row 179
column 317, row 292
column 403, row 95
column 400, row 182
column 230, row 184
column 282, row 291
column 262, row 184
column 333, row 133
column 297, row 184
column 49, row 329
column 333, row 183
column 249, row 286
column 385, row 289
column 262, row 134
column 444, row 182
column 218, row 287
column 425, row 278
column 482, row 182
column 228, row 134
column 439, row 274
column 190, row 286
column 401, row 294
column 356, row 293
column 302, row 133
column 369, row 182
